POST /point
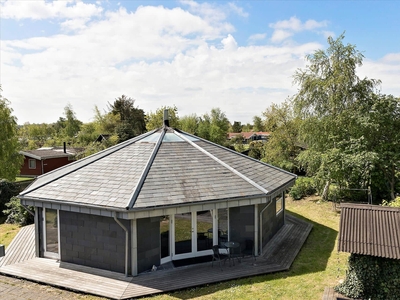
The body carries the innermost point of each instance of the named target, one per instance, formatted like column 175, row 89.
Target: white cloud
column 280, row 35
column 286, row 28
column 238, row 10
column 188, row 57
column 387, row 69
column 257, row 37
column 40, row 9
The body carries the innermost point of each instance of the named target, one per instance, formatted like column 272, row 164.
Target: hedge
column 370, row 277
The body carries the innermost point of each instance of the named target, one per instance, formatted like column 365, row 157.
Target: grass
column 7, row 233
column 317, row 266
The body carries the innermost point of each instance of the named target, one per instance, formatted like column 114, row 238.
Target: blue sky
column 236, row 55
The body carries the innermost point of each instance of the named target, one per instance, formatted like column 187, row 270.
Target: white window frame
column 279, row 199
column 34, row 163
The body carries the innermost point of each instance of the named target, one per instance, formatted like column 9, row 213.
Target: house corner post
column 134, row 262
column 256, row 232
column 37, row 222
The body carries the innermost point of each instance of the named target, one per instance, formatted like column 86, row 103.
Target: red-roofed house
column 46, row 159
column 250, row 136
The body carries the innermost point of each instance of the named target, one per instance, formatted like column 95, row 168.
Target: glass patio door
column 183, row 235
column 193, row 234
column 51, row 233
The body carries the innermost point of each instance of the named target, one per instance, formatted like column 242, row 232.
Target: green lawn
column 7, row 233
column 317, row 266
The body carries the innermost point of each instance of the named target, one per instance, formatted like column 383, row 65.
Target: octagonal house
column 163, row 196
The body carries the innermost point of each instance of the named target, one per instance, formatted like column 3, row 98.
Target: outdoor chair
column 248, row 249
column 217, row 256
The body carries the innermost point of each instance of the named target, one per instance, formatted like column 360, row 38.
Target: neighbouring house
column 370, row 230
column 250, row 136
column 160, row 197
column 102, row 138
column 46, row 159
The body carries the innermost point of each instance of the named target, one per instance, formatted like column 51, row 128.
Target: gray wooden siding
column 92, row 241
column 148, row 241
column 241, row 224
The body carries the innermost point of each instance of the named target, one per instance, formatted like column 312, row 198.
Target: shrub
column 370, row 277
column 17, row 214
column 7, row 190
column 393, row 203
column 303, row 187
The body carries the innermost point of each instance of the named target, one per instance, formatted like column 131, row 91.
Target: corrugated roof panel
column 370, row 230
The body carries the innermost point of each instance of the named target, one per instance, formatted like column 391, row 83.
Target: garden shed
column 163, row 196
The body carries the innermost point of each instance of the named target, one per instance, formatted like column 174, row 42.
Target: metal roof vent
column 166, row 118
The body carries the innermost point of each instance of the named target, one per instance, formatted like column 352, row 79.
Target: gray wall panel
column 148, row 241
column 93, row 241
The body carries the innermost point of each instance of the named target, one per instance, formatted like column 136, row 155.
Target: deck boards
column 21, row 248
column 280, row 253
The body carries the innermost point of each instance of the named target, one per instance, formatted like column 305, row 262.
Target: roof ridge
column 238, row 153
column 80, row 164
column 233, row 170
column 146, row 170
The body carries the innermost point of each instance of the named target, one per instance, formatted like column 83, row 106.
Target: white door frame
column 47, row 254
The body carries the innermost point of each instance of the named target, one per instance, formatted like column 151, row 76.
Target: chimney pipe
column 65, row 147
column 166, row 117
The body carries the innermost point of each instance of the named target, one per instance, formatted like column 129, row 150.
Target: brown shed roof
column 370, row 230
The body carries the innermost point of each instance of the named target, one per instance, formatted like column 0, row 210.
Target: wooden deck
column 280, row 254
column 21, row 248
column 330, row 294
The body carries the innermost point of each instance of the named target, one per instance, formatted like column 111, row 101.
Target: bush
column 393, row 203
column 370, row 277
column 7, row 191
column 17, row 214
column 304, row 186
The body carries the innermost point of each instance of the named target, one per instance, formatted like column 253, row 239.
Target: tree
column 331, row 101
column 258, row 124
column 10, row 159
column 189, row 123
column 132, row 119
column 72, row 124
column 214, row 126
column 236, row 126
column 283, row 144
column 156, row 120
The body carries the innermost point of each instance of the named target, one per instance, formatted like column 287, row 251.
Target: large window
column 32, row 164
column 279, row 203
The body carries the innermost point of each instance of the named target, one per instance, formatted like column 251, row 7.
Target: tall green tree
column 156, row 120
column 189, row 123
column 10, row 159
column 72, row 124
column 236, row 126
column 258, row 124
column 214, row 126
column 330, row 100
column 283, row 144
column 132, row 119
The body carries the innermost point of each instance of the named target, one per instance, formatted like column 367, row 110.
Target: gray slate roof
column 160, row 168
